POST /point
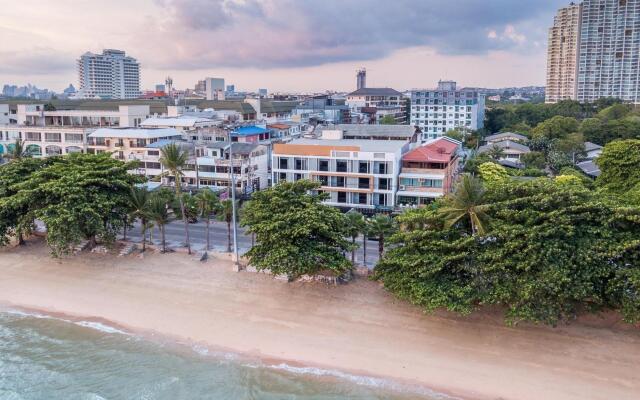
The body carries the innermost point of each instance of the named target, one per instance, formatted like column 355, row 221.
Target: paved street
column 218, row 234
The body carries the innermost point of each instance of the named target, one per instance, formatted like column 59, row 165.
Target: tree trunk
column 186, row 225
column 164, row 248
column 353, row 251
column 381, row 246
column 228, row 236
column 253, row 239
column 143, row 232
column 21, row 241
column 126, row 221
column 208, row 242
column 364, row 249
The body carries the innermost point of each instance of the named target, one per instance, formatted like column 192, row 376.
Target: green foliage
column 455, row 134
column 466, row 204
column 473, row 163
column 388, row 120
column 296, row 233
column 555, row 128
column 553, row 251
column 620, row 168
column 356, row 224
column 491, row 172
column 380, row 227
column 158, row 212
column 79, row 196
column 534, row 159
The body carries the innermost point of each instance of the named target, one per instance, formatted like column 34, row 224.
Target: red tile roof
column 278, row 126
column 441, row 150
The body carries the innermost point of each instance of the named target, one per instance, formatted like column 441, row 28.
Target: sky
column 283, row 45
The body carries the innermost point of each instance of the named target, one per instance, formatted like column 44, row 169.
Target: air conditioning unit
column 402, row 187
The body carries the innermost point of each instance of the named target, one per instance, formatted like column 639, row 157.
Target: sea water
column 47, row 358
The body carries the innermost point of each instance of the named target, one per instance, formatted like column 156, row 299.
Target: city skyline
column 285, row 45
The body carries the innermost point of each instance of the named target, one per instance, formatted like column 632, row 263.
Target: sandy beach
column 357, row 328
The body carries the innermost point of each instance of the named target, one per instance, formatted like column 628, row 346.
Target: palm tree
column 355, row 223
column 365, row 237
column 139, row 201
column 226, row 215
column 496, row 152
column 174, row 159
column 381, row 226
column 466, row 201
column 158, row 212
column 208, row 204
column 18, row 150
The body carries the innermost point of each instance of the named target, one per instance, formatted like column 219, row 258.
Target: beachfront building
column 371, row 105
column 129, row 144
column 361, row 174
column 428, row 172
column 405, row 133
column 250, row 167
column 436, row 111
column 110, row 75
column 58, row 132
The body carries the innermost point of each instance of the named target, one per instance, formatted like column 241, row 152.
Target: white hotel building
column 360, row 174
column 436, row 111
column 110, row 75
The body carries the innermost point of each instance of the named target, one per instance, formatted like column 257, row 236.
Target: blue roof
column 249, row 130
column 161, row 143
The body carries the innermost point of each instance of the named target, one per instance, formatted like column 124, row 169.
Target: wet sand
column 358, row 328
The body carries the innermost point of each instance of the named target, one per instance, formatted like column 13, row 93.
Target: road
column 218, row 236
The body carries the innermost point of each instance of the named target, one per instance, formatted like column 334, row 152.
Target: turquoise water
column 49, row 358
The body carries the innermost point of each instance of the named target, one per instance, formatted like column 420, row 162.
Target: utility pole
column 233, row 207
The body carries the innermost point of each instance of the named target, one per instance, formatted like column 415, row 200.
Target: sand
column 357, row 328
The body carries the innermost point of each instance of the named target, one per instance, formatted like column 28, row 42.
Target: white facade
column 43, row 141
column 214, row 88
column 359, row 174
column 110, row 75
column 436, row 111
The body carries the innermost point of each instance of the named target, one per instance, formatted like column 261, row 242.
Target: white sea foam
column 98, row 326
column 362, row 380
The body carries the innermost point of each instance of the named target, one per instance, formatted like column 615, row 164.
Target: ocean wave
column 94, row 325
column 362, row 380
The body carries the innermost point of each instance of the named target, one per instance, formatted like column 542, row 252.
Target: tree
column 534, row 159
column 496, row 152
column 455, row 134
column 619, row 165
column 226, row 214
column 615, row 111
column 139, row 201
column 18, row 150
column 572, row 145
column 491, row 172
column 381, row 226
column 592, row 130
column 554, row 250
column 158, row 212
column 174, row 159
column 208, row 204
column 555, row 128
column 79, row 196
column 355, row 224
column 296, row 233
column 388, row 120
column 467, row 201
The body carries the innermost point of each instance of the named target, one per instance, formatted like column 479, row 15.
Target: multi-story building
column 562, row 54
column 130, row 143
column 428, row 172
column 56, row 132
column 371, row 105
column 322, row 109
column 405, row 133
column 436, row 111
column 360, row 174
column 607, row 50
column 214, row 88
column 110, row 75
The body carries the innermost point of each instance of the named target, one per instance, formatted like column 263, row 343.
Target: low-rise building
column 249, row 134
column 405, row 133
column 499, row 137
column 436, row 111
column 511, row 151
column 284, row 131
column 371, row 105
column 428, row 172
column 360, row 174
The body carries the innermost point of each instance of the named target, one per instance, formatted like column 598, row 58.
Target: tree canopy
column 296, row 234
column 552, row 251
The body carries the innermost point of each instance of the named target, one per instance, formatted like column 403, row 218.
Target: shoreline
column 356, row 329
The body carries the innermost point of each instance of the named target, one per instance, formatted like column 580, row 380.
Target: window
column 324, row 165
column 340, row 181
column 283, row 176
column 324, row 180
column 297, row 177
column 363, row 183
column 363, row 167
column 383, row 184
column 342, row 197
column 283, row 163
column 341, row 166
column 299, row 164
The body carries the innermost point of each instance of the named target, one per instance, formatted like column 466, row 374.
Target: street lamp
column 233, row 207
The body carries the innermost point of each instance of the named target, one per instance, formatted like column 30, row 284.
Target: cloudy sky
column 283, row 45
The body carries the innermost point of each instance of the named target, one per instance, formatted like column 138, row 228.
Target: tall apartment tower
column 609, row 50
column 110, row 75
column 562, row 54
column 361, row 79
